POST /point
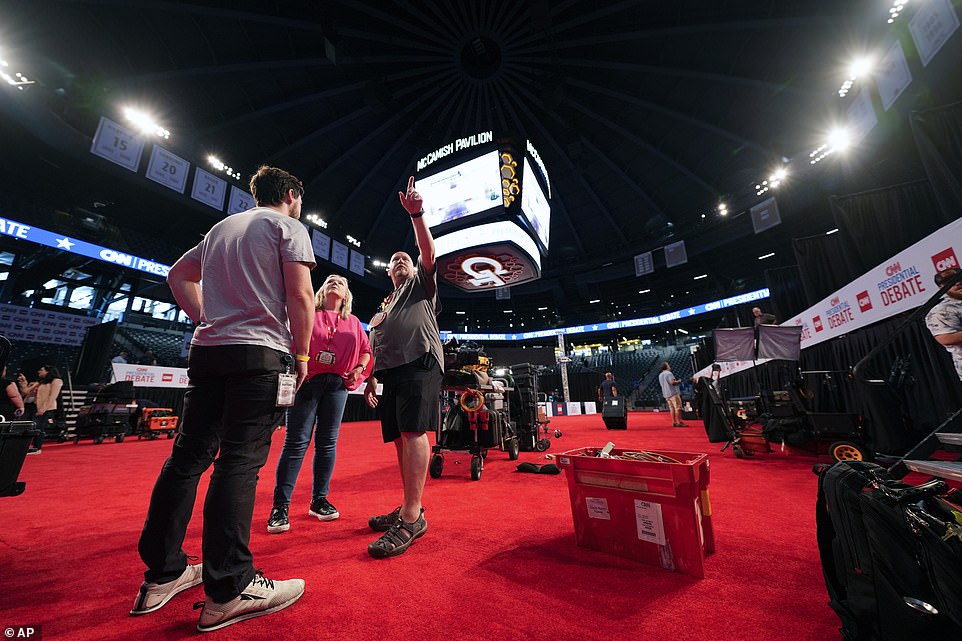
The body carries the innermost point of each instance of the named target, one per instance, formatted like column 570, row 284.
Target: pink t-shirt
column 345, row 338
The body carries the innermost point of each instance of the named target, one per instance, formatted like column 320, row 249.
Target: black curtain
column 880, row 223
column 938, row 138
column 357, row 410
column 920, row 388
column 825, row 264
column 773, row 375
column 787, row 292
column 583, row 386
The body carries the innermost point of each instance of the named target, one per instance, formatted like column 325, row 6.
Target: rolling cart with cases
column 476, row 411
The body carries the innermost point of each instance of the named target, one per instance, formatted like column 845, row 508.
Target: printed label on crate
column 648, row 519
column 598, row 508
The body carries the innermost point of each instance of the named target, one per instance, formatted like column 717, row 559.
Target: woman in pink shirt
column 340, row 360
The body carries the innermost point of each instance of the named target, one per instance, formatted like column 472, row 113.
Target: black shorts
column 411, row 397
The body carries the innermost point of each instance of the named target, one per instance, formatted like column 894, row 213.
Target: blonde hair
column 320, row 300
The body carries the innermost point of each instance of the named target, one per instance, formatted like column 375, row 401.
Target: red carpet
column 499, row 560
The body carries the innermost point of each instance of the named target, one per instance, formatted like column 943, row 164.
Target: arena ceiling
column 647, row 115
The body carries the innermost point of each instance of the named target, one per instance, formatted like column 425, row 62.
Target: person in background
column 11, row 403
column 247, row 285
column 340, row 361
column 608, row 388
column 408, row 359
column 149, row 358
column 762, row 318
column 119, row 358
column 944, row 321
column 45, row 390
column 669, row 389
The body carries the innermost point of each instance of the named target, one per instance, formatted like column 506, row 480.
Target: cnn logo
column 945, row 260
column 864, row 301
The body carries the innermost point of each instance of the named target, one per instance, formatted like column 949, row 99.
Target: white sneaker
column 262, row 596
column 153, row 596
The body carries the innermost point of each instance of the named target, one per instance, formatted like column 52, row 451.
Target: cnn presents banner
column 897, row 285
column 42, row 326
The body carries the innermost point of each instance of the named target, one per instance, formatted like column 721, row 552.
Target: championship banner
column 42, row 326
column 150, row 375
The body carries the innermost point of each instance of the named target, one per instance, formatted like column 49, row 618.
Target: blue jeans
column 42, row 422
column 230, row 413
column 321, row 399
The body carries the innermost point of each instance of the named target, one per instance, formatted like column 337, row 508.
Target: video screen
column 469, row 188
column 534, row 205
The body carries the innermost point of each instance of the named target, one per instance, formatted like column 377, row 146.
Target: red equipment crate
column 160, row 419
column 655, row 512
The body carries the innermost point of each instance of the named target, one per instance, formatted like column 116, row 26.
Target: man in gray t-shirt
column 408, row 361
column 669, row 389
column 247, row 285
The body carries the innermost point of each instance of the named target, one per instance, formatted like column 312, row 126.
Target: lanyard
column 331, row 329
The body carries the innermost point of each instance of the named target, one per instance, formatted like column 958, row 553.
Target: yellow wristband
column 304, row 358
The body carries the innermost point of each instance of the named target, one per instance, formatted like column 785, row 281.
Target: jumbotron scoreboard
column 487, row 202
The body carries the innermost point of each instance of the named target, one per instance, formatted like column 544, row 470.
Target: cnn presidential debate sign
column 902, row 283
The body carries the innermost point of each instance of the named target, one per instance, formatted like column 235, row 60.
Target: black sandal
column 398, row 538
column 383, row 522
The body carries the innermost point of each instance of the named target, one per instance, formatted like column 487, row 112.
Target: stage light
column 722, row 209
column 896, row 10
column 541, row 309
column 145, row 123
column 352, row 240
column 831, row 231
column 592, row 302
column 507, row 311
column 219, row 165
column 460, row 313
column 643, row 291
column 682, row 331
column 317, row 221
column 766, row 256
column 858, row 68
column 839, row 139
column 377, row 262
column 700, row 277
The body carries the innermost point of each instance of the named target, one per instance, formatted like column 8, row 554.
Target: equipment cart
column 101, row 420
column 476, row 418
column 156, row 420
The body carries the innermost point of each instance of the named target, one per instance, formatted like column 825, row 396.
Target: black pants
column 230, row 409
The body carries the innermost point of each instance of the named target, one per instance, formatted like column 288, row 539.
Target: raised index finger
column 410, row 183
